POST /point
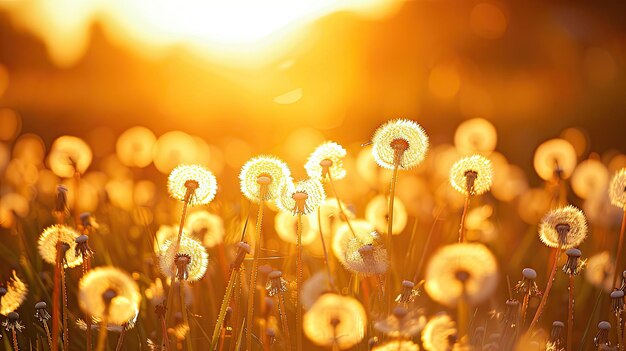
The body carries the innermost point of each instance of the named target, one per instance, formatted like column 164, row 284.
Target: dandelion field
column 479, row 258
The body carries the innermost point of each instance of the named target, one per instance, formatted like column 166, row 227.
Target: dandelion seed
column 439, row 334
column 41, row 312
column 399, row 143
column 402, row 323
column 276, row 283
column 461, row 270
column 107, row 292
column 12, row 295
column 555, row 157
column 13, row 323
column 262, row 176
column 193, row 184
column 528, row 285
column 190, row 260
column 574, row 264
column 563, row 228
column 48, row 245
column 602, row 337
column 335, row 320
column 302, row 197
column 472, row 175
column 617, row 189
column 326, row 161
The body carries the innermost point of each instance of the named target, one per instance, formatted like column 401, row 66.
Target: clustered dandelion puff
column 195, row 259
column 326, row 162
column 399, row 143
column 51, row 237
column 195, row 177
column 270, row 167
column 335, row 320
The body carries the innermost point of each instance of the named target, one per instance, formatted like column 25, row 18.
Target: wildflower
column 68, row 155
column 48, row 245
column 190, row 260
column 555, row 157
column 555, row 342
column 472, row 175
column 366, row 256
column 458, row 271
column 439, row 334
column 61, row 199
column 82, row 247
column 574, row 264
column 564, row 227
column 590, row 179
column 41, row 312
column 476, row 135
column 511, row 313
column 408, row 293
column 326, row 161
column 402, row 323
column 108, row 292
column 193, row 184
column 262, row 176
column 163, row 234
column 301, row 197
column 617, row 302
column 135, row 146
column 343, row 235
column 276, row 283
column 600, row 269
column 399, row 143
column 335, row 320
column 602, row 337
column 528, row 285
column 13, row 323
column 617, row 189
column 12, row 295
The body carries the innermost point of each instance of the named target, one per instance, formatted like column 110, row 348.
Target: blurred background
column 278, row 76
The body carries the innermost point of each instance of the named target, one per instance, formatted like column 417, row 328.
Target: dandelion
column 134, row 147
column 69, row 155
column 476, row 135
column 326, row 162
column 366, row 256
column 313, row 288
column 461, row 274
column 14, row 325
column 573, row 266
column 602, row 337
column 206, row 226
column 600, row 270
column 590, row 179
column 376, row 213
column 190, row 259
column 397, row 345
column 617, row 194
column 55, row 235
column 528, row 287
column 399, row 143
column 192, row 184
column 555, row 158
column 439, row 334
column 286, row 226
column 335, row 321
column 42, row 315
column 402, row 323
column 12, row 295
column 555, row 343
column 510, row 321
column 470, row 175
column 561, row 228
column 341, row 239
column 276, row 286
column 408, row 293
column 110, row 295
column 261, row 178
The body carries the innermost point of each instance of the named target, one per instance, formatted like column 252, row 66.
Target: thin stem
column 331, row 284
column 619, row 251
column 388, row 241
column 47, row 330
column 463, row 218
column 339, row 205
column 618, row 330
column 253, row 276
column 591, row 318
column 463, row 312
column 426, row 244
column 570, row 314
column 66, row 332
column 544, row 298
column 77, row 198
column 225, row 302
column 86, row 268
column 56, row 296
column 299, row 286
column 16, row 346
column 525, row 307
column 102, row 334
column 120, row 339
column 183, row 307
column 283, row 319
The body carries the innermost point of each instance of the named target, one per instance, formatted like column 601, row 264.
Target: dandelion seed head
column 399, row 141
column 564, row 227
column 461, row 268
column 376, row 212
column 476, row 135
column 617, row 189
column 397, row 345
column 99, row 282
column 438, row 333
column 270, row 170
column 48, row 240
column 209, row 228
column 402, row 323
column 14, row 294
column 472, row 175
column 327, row 159
column 599, row 271
column 193, row 249
column 343, row 234
column 197, row 178
column 69, row 154
column 366, row 255
column 302, row 197
column 555, row 156
column 590, row 179
column 335, row 319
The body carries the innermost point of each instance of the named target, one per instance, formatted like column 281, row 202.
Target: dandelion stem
column 56, row 296
column 618, row 330
column 120, row 339
column 283, row 319
column 619, row 251
column 66, row 333
column 86, row 268
column 77, row 198
column 47, row 330
column 183, row 307
column 591, row 317
column 463, row 312
column 463, row 218
column 570, row 314
column 102, row 334
column 299, row 285
column 253, row 276
column 544, row 298
column 165, row 342
column 525, row 306
column 331, row 284
column 426, row 244
column 223, row 309
column 16, row 346
column 388, row 241
column 339, row 205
